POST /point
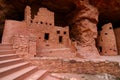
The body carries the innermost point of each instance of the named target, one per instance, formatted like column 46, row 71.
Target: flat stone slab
column 101, row 58
column 72, row 76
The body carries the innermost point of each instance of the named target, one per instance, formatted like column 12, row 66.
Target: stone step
column 66, row 52
column 22, row 77
column 10, row 62
column 51, row 78
column 15, row 75
column 3, row 52
column 37, row 75
column 13, row 68
column 8, row 56
column 6, row 46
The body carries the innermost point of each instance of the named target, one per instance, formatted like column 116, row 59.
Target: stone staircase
column 12, row 67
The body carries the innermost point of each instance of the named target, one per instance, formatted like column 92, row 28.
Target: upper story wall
column 11, row 29
column 43, row 25
column 44, row 15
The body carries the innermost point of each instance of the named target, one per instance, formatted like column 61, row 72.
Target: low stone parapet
column 76, row 65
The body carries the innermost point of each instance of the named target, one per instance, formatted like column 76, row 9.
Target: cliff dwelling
column 59, row 40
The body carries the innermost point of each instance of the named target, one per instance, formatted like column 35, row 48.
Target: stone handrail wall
column 77, row 66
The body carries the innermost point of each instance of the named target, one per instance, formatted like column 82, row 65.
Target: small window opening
column 39, row 37
column 35, row 55
column 98, row 33
column 58, row 32
column 100, row 49
column 41, row 22
column 47, row 45
column 46, row 37
column 110, row 28
column 50, row 24
column 36, row 22
column 105, row 33
column 60, row 39
column 31, row 21
column 73, row 40
column 64, row 32
column 46, row 23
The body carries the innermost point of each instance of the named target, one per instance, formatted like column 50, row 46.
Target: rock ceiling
column 14, row 9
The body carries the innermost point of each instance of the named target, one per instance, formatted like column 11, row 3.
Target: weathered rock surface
column 84, row 29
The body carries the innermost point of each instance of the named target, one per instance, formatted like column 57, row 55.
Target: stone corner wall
column 24, row 45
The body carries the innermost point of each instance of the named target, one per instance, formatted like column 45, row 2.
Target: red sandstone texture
column 61, row 65
column 38, row 36
column 117, row 32
column 107, row 41
column 54, row 40
column 83, row 21
column 83, row 27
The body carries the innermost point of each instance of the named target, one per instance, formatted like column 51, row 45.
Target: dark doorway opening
column 46, row 37
column 100, row 49
column 60, row 39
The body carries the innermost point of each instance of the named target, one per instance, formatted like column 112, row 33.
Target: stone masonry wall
column 25, row 46
column 44, row 15
column 12, row 28
column 117, row 32
column 77, row 66
column 107, row 41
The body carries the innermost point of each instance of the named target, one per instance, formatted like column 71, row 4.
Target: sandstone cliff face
column 84, row 28
column 109, row 10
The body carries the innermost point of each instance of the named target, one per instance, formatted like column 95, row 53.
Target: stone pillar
column 84, row 29
column 27, row 15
